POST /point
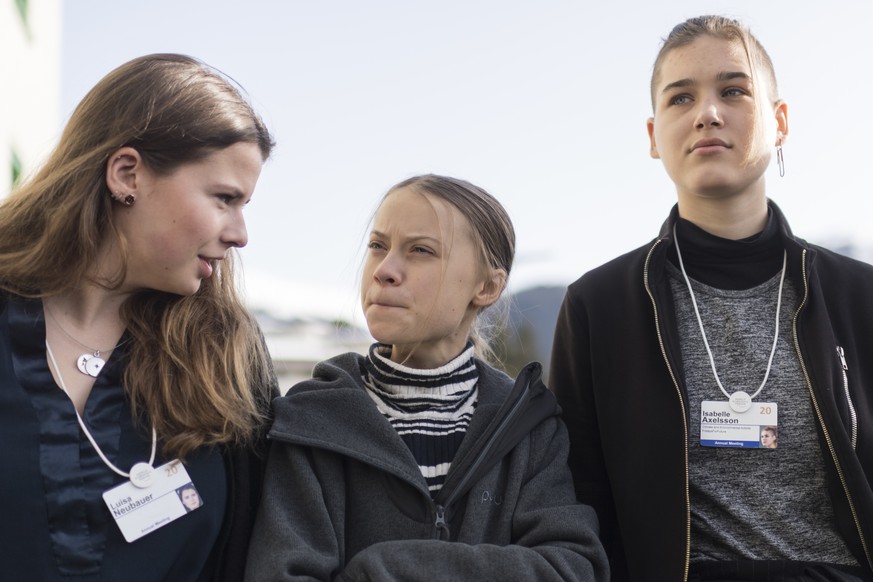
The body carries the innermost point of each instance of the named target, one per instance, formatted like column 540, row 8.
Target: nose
column 236, row 234
column 707, row 115
column 388, row 271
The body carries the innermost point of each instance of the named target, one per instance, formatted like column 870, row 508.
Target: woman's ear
column 781, row 112
column 491, row 288
column 122, row 169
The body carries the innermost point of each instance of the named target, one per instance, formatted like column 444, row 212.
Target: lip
column 387, row 305
column 206, row 266
column 384, row 303
column 709, row 145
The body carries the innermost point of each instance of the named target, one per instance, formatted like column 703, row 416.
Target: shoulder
column 840, row 277
column 839, row 264
column 614, row 282
column 621, row 269
column 538, row 402
column 335, row 391
column 340, row 371
column 493, row 382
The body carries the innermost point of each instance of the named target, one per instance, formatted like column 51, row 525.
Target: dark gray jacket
column 345, row 500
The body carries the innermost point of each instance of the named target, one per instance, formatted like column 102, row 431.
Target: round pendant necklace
column 89, row 363
column 141, row 474
column 739, row 401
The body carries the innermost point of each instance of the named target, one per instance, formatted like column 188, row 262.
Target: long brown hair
column 197, row 366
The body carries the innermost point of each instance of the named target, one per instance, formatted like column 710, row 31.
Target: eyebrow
column 723, row 76
column 233, row 191
column 414, row 237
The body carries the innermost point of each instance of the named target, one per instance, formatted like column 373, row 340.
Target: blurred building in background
column 297, row 344
column 30, row 65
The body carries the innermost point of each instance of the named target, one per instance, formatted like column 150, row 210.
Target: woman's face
column 422, row 280
column 768, row 439
column 190, row 499
column 183, row 223
column 704, row 125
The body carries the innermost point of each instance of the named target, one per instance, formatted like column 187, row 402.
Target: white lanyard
column 141, row 474
column 739, row 400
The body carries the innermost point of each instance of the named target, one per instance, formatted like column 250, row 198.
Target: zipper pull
column 842, row 353
column 440, row 522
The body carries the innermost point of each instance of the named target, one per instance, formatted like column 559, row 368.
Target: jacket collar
column 793, row 245
column 666, row 232
column 333, row 411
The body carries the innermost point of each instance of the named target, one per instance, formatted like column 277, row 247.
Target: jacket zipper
column 439, row 509
column 681, row 404
column 818, row 414
column 852, row 414
column 439, row 523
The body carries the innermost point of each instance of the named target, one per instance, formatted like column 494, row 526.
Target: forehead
column 407, row 209
column 702, row 59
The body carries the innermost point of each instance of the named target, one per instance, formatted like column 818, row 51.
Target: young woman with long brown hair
column 128, row 364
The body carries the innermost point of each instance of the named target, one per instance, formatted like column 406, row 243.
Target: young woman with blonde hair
column 420, row 461
column 129, row 364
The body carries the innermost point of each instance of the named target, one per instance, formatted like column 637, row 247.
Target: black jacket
column 617, row 373
column 24, row 373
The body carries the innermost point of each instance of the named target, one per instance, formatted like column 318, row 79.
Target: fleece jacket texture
column 344, row 498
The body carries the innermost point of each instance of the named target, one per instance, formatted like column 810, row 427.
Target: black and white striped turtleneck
column 429, row 409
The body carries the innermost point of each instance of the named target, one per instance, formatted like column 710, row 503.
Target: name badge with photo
column 721, row 426
column 140, row 511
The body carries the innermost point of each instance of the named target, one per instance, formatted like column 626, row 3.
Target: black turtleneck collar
column 729, row 264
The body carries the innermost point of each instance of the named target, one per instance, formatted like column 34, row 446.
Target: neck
column 89, row 307
column 426, row 356
column 78, row 322
column 730, row 218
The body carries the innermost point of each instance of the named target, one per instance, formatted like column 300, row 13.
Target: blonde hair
column 493, row 235
column 197, row 366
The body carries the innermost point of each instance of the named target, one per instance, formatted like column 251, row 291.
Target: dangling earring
column 780, row 161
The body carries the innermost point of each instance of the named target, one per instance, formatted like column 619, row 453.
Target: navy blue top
column 54, row 524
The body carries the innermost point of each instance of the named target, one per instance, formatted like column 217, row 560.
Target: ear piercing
column 126, row 199
column 779, row 159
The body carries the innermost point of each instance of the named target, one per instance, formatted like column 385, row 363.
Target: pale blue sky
column 542, row 103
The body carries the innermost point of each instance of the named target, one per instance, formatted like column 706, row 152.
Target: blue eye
column 680, row 100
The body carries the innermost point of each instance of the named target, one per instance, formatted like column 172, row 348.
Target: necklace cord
column 95, row 351
column 85, row 428
column 703, row 333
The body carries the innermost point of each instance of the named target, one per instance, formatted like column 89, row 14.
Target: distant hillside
column 532, row 316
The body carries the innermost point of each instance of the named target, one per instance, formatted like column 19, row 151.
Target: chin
column 388, row 337
column 181, row 290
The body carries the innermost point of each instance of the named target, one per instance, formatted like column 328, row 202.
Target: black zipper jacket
column 345, row 499
column 617, row 373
